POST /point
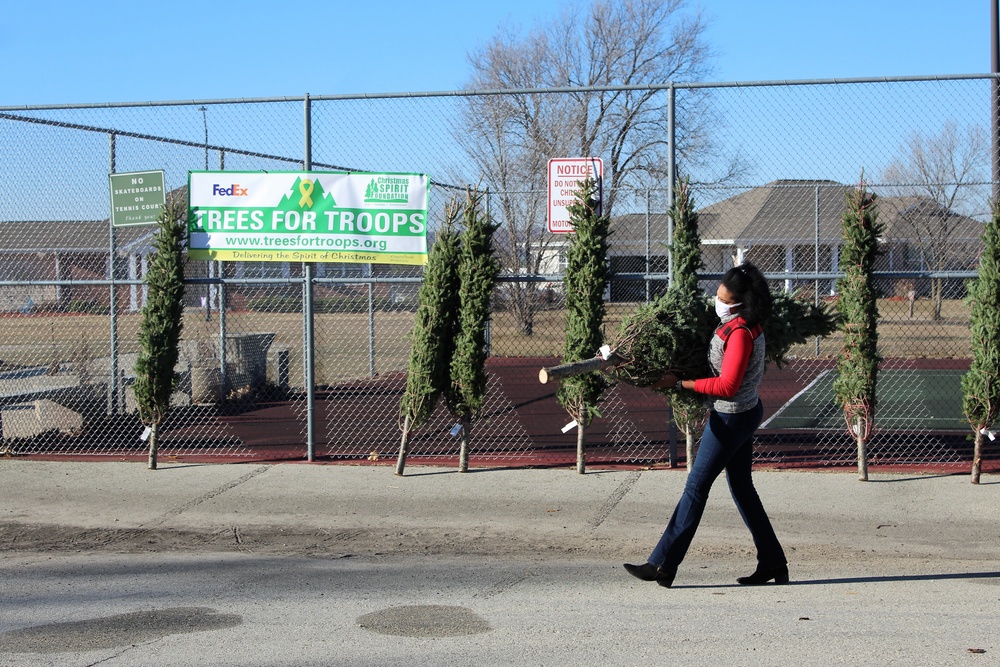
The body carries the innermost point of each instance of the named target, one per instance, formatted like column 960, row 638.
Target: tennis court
column 906, row 400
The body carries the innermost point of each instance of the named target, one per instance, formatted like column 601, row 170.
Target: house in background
column 630, row 235
column 791, row 226
column 777, row 227
column 78, row 251
column 634, row 236
column 780, row 226
column 69, row 250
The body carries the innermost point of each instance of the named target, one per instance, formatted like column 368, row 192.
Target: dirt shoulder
column 822, row 519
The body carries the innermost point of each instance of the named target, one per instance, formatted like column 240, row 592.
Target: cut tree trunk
column 404, row 448
column 578, row 368
column 463, row 453
column 581, row 448
column 154, row 430
column 977, row 456
column 862, row 454
column 689, row 443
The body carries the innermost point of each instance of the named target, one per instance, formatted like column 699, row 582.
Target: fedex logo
column 233, row 190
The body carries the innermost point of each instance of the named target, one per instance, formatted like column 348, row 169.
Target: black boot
column 762, row 575
column 650, row 572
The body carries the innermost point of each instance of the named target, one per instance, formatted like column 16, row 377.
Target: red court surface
column 357, row 423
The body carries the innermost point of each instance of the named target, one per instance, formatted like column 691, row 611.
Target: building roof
column 87, row 236
column 84, row 236
column 795, row 212
column 628, row 234
column 779, row 213
column 923, row 219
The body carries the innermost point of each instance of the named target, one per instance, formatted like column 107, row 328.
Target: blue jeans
column 727, row 444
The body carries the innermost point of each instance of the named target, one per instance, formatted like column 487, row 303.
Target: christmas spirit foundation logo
column 388, row 190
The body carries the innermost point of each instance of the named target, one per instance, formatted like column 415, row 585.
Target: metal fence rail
column 283, row 360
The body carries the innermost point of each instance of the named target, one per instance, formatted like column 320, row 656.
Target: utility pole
column 995, row 93
column 208, row 264
column 204, row 120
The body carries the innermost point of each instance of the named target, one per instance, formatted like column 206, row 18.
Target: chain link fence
column 770, row 165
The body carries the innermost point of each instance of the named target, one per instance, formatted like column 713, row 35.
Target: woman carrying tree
column 736, row 354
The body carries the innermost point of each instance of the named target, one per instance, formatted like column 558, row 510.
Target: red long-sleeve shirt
column 734, row 364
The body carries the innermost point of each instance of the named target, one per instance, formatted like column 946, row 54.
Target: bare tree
column 943, row 176
column 504, row 135
column 511, row 137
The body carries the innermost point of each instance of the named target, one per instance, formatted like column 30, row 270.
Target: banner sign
column 316, row 216
column 136, row 198
column 565, row 175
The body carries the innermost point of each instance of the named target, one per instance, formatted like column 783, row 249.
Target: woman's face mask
column 723, row 309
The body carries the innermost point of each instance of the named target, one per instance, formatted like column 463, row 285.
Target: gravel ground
column 112, row 563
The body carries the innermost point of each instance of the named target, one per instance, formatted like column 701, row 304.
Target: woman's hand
column 668, row 381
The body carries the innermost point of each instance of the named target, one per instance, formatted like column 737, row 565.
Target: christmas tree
column 981, row 385
column 585, row 281
column 433, row 335
column 794, row 320
column 477, row 272
column 857, row 364
column 160, row 328
column 672, row 333
column 658, row 337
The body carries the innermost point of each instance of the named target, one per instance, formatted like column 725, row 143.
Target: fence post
column 308, row 353
column 671, row 435
column 222, row 334
column 671, row 179
column 221, row 305
column 209, row 273
column 647, row 246
column 371, row 329
column 816, row 257
column 995, row 97
column 489, row 322
column 112, row 300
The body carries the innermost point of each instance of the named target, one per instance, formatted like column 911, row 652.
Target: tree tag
column 605, row 352
column 455, row 430
column 145, row 434
column 992, row 435
column 569, row 427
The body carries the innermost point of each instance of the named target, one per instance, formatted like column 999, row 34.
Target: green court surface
column 906, row 400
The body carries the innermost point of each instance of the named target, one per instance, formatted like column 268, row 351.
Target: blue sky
column 74, row 52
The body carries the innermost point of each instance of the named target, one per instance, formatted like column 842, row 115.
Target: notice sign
column 314, row 216
column 565, row 176
column 136, row 198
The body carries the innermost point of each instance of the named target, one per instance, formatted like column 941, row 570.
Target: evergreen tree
column 160, row 328
column 433, row 336
column 857, row 364
column 688, row 407
column 686, row 247
column 662, row 336
column 477, row 272
column 665, row 335
column 981, row 385
column 673, row 332
column 584, row 284
column 794, row 321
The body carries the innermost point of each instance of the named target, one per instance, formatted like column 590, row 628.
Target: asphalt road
column 111, row 564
